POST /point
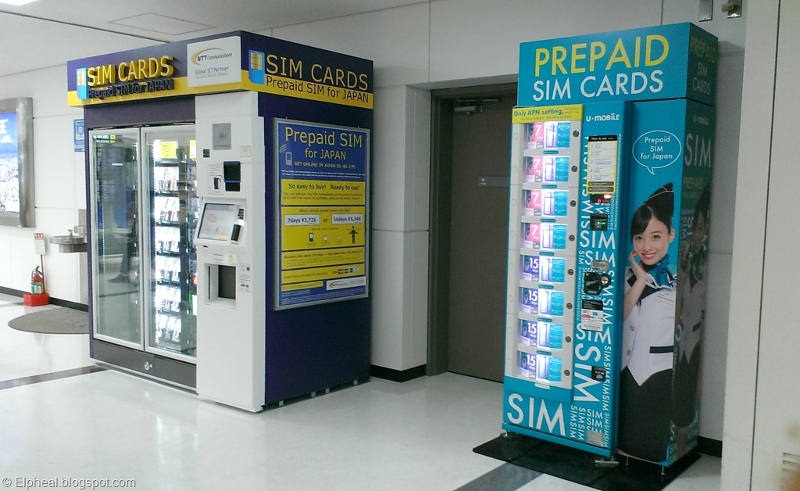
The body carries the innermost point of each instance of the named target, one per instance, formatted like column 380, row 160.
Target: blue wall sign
column 323, row 225
column 79, row 134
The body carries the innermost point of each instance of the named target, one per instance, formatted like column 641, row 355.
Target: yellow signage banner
column 325, row 273
column 301, row 286
column 308, row 192
column 316, row 258
column 152, row 89
column 321, row 227
column 571, row 112
column 175, row 86
column 305, row 89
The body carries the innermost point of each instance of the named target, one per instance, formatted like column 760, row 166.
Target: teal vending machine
column 610, row 186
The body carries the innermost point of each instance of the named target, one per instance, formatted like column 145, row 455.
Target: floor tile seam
column 501, row 469
column 47, row 377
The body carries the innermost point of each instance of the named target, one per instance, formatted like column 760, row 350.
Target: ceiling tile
column 161, row 24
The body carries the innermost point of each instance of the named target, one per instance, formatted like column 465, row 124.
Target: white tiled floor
column 379, row 435
column 23, row 353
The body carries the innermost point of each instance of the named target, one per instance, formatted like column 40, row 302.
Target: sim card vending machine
column 228, row 202
column 610, row 187
column 562, row 308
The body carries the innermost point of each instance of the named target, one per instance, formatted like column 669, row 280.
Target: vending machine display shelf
column 528, row 316
column 546, row 219
column 527, row 185
column 171, row 313
column 175, row 284
column 168, row 253
column 527, row 251
column 543, row 369
column 549, row 202
column 177, row 163
column 171, row 194
column 533, row 349
column 535, row 152
column 541, row 283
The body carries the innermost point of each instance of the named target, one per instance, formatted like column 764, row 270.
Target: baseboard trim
column 11, row 291
column 71, row 305
column 53, row 300
column 709, row 446
column 397, row 375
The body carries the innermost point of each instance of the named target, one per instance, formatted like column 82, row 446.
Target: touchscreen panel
column 217, row 221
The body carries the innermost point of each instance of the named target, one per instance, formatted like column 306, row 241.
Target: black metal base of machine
column 582, row 467
column 150, row 365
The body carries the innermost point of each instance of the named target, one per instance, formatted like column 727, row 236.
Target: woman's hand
column 635, row 291
column 636, row 267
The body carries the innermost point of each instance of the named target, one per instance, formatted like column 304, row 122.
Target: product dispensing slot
column 222, row 283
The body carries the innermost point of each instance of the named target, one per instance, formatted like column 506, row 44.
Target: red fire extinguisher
column 37, row 281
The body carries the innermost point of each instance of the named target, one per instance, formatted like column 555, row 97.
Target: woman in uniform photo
column 648, row 331
column 692, row 287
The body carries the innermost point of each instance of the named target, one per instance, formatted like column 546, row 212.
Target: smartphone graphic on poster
column 549, row 169
column 550, row 135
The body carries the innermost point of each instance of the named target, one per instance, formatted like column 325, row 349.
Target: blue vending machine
column 610, row 186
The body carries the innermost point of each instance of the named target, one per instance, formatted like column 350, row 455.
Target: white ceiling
column 51, row 32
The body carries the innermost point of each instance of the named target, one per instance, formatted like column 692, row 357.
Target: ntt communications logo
column 213, row 62
column 210, row 55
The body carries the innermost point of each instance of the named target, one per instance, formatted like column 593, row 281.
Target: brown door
column 478, row 235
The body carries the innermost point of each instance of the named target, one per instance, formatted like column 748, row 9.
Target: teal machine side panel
column 667, row 242
column 598, row 309
column 651, row 252
column 692, row 285
column 580, row 414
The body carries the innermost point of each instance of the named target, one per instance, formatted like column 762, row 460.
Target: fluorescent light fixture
column 16, row 2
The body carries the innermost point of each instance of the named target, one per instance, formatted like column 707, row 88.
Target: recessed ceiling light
column 16, row 2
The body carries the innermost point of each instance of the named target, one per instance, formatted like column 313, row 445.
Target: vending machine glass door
column 171, row 267
column 116, row 228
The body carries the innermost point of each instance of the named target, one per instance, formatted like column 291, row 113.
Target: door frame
column 94, row 233
column 146, row 199
column 443, row 102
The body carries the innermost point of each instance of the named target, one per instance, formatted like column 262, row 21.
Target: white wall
column 748, row 244
column 58, row 169
column 761, row 420
column 59, row 186
column 777, row 418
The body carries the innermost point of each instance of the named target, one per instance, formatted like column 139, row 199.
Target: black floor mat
column 579, row 466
